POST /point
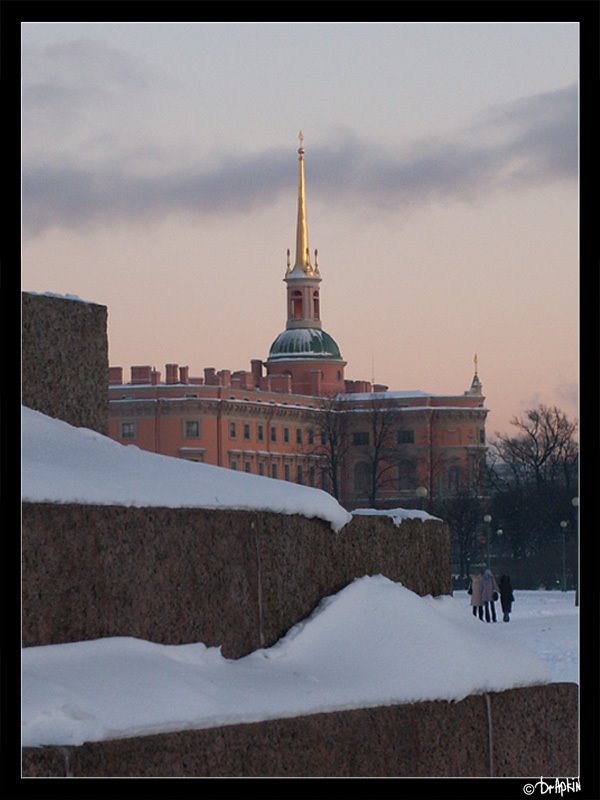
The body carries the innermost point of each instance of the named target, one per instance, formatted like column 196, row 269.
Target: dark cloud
column 61, row 82
column 528, row 142
column 542, row 135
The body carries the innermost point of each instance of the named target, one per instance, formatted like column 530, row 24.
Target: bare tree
column 380, row 452
column 332, row 442
column 534, row 475
column 544, row 451
column 463, row 513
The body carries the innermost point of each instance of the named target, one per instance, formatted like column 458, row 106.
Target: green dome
column 304, row 343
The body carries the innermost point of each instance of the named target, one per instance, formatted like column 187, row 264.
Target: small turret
column 476, row 385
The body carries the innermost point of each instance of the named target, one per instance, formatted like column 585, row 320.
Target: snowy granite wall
column 522, row 732
column 232, row 578
column 64, row 354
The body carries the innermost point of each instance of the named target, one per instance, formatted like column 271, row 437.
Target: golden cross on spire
column 301, row 139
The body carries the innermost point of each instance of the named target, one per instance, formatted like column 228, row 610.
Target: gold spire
column 302, row 251
column 475, row 363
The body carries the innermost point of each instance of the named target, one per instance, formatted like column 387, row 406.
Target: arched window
column 316, row 305
column 296, row 310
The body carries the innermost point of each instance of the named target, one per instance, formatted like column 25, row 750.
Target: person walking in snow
column 475, row 589
column 489, row 593
column 507, row 597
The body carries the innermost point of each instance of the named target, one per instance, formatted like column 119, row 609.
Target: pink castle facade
column 295, row 417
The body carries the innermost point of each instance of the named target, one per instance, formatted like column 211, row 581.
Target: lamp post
column 564, row 524
column 487, row 519
column 575, row 504
column 499, row 533
column 421, row 493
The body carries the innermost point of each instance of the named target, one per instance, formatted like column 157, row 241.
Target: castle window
column 273, row 433
column 286, row 434
column 311, row 436
column 316, row 305
column 247, row 466
column 246, row 430
column 298, row 435
column 360, row 437
column 299, row 475
column 191, row 429
column 232, row 430
column 296, row 311
column 407, row 475
column 454, row 475
column 406, row 437
column 234, row 465
column 128, row 430
column 261, row 467
column 260, row 433
column 273, row 470
column 312, row 473
column 286, row 471
column 482, row 436
column 362, row 472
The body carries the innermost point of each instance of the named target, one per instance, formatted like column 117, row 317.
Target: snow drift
column 374, row 643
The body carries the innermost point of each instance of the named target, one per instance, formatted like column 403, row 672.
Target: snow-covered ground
column 548, row 624
column 374, row 643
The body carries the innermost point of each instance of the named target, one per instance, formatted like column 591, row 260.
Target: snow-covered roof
column 407, row 395
column 387, row 395
column 63, row 464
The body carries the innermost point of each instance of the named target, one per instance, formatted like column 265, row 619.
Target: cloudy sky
column 159, row 178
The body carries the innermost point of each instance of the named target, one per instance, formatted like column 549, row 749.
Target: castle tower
column 304, row 350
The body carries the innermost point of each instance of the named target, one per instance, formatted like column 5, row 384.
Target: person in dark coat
column 507, row 597
column 489, row 594
column 474, row 590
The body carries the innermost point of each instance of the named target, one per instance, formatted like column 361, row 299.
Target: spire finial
column 476, row 387
column 302, row 251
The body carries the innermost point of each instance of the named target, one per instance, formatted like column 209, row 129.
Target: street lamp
column 564, row 524
column 575, row 504
column 421, row 493
column 487, row 519
column 499, row 532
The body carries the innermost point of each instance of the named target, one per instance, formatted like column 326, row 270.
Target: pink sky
column 160, row 180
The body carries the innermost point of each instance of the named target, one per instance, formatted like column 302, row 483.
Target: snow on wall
column 63, row 464
column 374, row 643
